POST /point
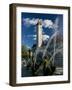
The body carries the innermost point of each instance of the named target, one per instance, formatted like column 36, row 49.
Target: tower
column 39, row 33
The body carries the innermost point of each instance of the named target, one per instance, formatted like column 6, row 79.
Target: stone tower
column 39, row 33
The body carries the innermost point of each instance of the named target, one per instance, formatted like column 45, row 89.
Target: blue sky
column 28, row 26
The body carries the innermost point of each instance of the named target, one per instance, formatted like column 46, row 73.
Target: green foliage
column 25, row 53
column 24, row 48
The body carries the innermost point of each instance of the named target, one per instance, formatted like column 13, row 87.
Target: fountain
column 55, row 50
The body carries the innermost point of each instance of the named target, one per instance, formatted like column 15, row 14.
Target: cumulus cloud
column 45, row 37
column 30, row 21
column 33, row 21
column 46, row 23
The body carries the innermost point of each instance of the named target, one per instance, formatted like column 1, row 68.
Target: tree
column 24, row 52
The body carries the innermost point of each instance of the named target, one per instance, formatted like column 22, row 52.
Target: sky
column 50, row 23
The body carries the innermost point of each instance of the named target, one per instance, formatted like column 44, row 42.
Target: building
column 39, row 33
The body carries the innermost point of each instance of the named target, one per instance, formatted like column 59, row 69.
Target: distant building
column 39, row 33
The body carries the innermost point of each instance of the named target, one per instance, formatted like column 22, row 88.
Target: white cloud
column 33, row 21
column 45, row 37
column 26, row 20
column 30, row 21
column 34, row 37
column 48, row 23
column 45, row 23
